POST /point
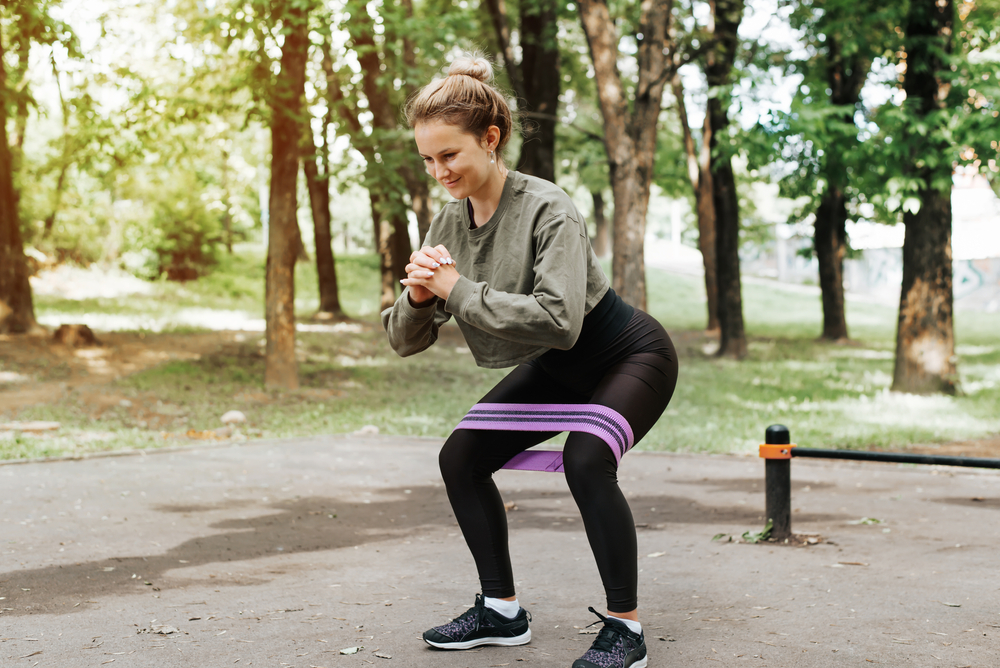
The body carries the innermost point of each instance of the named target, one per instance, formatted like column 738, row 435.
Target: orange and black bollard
column 777, row 454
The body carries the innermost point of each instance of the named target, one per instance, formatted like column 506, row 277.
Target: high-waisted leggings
column 635, row 375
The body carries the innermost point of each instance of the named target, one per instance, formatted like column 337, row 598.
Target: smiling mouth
column 449, row 184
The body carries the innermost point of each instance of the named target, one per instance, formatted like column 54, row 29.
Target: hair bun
column 474, row 65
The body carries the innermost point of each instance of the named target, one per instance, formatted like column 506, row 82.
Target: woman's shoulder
column 546, row 198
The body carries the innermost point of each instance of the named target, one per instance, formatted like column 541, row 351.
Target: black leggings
column 635, row 375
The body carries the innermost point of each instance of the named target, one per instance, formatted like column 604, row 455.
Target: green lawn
column 829, row 395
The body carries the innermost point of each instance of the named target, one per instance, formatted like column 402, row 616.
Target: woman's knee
column 589, row 462
column 461, row 458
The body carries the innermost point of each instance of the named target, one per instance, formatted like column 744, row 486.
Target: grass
column 830, row 395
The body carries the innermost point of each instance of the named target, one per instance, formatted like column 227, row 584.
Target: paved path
column 284, row 553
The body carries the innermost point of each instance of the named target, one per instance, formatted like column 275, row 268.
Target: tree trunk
column 726, row 16
column 281, row 370
column 541, row 78
column 384, row 118
column 17, row 310
column 925, row 339
column 326, row 268
column 830, row 242
column 420, row 198
column 497, row 9
column 601, row 223
column 417, row 182
column 846, row 75
column 629, row 138
column 50, row 220
column 227, row 216
column 700, row 175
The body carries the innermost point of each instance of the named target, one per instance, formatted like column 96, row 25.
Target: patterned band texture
column 601, row 421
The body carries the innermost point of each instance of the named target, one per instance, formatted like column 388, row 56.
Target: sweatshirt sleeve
column 412, row 330
column 552, row 315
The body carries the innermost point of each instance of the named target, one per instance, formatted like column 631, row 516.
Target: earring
column 492, row 160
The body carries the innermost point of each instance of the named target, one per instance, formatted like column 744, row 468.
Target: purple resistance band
column 601, row 421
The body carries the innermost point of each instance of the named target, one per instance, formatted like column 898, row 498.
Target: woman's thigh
column 487, row 450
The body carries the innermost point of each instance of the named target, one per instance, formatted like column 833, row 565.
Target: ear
column 492, row 138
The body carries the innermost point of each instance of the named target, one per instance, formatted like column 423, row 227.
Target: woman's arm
column 413, row 321
column 552, row 315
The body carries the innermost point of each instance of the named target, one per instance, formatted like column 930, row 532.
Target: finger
column 434, row 257
column 444, row 254
column 420, row 273
column 422, row 260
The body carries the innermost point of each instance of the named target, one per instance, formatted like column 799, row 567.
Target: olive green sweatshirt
column 528, row 276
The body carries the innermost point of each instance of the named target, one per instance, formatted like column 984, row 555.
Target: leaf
column 758, row 536
column 911, row 204
column 867, row 521
column 351, row 650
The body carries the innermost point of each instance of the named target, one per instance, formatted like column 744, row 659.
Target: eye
column 449, row 156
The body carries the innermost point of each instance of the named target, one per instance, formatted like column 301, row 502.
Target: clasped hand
column 430, row 273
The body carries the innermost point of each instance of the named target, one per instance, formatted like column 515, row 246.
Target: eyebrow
column 441, row 152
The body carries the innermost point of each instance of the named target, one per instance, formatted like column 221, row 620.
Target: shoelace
column 479, row 610
column 607, row 638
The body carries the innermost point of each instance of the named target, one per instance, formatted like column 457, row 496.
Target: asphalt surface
column 286, row 553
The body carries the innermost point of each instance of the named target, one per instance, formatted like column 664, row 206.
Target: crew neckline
column 497, row 215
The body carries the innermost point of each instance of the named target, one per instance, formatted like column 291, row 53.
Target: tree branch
column 498, row 16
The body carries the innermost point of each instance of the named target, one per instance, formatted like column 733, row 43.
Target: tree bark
column 925, row 338
column 541, row 79
column 281, row 369
column 497, row 9
column 846, row 76
column 700, row 175
column 601, row 224
column 830, row 242
column 726, row 15
column 17, row 310
column 384, row 118
column 629, row 138
column 326, row 268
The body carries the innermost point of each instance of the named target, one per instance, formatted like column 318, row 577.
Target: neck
column 486, row 201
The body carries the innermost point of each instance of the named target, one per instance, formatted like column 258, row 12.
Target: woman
column 510, row 260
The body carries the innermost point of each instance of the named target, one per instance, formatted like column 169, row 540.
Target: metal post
column 778, row 483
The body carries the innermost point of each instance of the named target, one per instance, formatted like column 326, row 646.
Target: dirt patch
column 983, row 447
column 38, row 370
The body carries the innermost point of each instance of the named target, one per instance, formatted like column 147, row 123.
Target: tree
column 925, row 338
column 700, row 176
column 820, row 136
column 630, row 136
column 25, row 23
column 281, row 369
column 388, row 70
column 536, row 79
column 318, row 185
column 17, row 311
column 726, row 16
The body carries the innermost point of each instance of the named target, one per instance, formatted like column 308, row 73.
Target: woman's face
column 456, row 159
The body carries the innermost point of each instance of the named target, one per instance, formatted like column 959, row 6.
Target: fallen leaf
column 351, row 650
column 383, row 655
column 655, row 554
column 952, row 605
column 852, row 563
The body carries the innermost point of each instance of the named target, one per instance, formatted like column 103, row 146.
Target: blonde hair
column 465, row 98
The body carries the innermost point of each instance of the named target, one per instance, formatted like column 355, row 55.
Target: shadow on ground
column 317, row 524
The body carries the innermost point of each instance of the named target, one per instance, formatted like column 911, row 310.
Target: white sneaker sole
column 522, row 639
column 640, row 663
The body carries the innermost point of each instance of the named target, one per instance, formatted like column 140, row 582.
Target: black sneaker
column 616, row 647
column 480, row 625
